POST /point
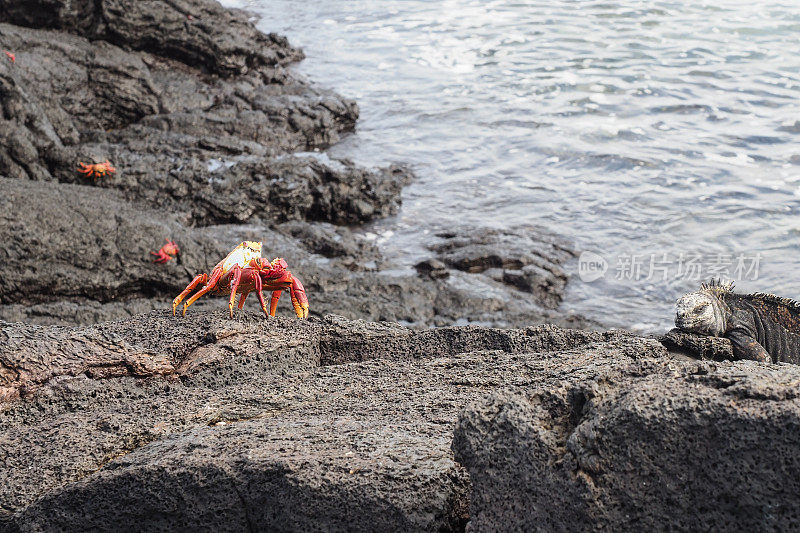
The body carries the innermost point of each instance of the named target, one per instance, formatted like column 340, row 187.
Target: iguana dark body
column 761, row 327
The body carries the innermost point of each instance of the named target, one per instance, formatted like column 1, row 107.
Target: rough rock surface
column 697, row 346
column 284, row 424
column 650, row 445
column 209, row 147
column 524, row 258
column 201, row 422
column 196, row 33
column 205, row 422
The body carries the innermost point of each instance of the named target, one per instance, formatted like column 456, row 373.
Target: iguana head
column 704, row 311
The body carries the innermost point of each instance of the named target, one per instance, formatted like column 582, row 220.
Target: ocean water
column 659, row 137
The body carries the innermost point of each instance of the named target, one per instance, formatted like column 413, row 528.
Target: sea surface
column 664, row 137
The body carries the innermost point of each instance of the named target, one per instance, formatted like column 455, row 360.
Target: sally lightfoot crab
column 244, row 271
column 166, row 252
column 96, row 170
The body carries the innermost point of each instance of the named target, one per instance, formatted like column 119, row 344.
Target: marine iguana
column 761, row 327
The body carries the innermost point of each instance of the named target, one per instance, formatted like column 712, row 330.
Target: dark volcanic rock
column 194, row 32
column 79, row 84
column 179, row 140
column 654, row 445
column 432, row 268
column 230, row 191
column 205, row 422
column 73, row 241
column 81, row 310
column 284, row 475
column 697, row 346
column 525, row 258
column 79, row 255
column 202, row 422
column 26, row 132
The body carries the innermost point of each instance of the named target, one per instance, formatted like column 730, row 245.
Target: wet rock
column 432, row 268
column 660, row 444
column 202, row 421
column 231, row 191
column 524, row 258
column 330, row 241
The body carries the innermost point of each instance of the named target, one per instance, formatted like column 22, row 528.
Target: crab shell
column 242, row 255
column 170, row 248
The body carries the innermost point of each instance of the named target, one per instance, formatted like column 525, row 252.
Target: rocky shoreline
column 117, row 415
column 214, row 142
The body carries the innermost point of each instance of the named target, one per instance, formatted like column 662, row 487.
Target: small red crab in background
column 96, row 170
column 245, row 271
column 166, row 252
column 11, row 57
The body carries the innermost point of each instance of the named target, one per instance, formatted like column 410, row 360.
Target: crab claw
column 299, row 298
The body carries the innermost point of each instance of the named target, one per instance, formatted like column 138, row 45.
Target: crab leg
column 242, row 298
column 212, row 282
column 273, row 303
column 161, row 257
column 259, row 288
column 299, row 298
column 237, row 276
column 200, row 278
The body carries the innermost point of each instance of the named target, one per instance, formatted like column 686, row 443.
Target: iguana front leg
column 745, row 346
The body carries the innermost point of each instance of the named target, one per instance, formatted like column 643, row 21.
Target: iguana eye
column 701, row 307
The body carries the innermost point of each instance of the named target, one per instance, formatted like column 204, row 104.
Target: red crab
column 11, row 57
column 97, row 170
column 166, row 252
column 245, row 271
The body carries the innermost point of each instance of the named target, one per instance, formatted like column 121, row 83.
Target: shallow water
column 645, row 135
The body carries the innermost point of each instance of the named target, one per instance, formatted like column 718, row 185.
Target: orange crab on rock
column 166, row 252
column 96, row 170
column 244, row 271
